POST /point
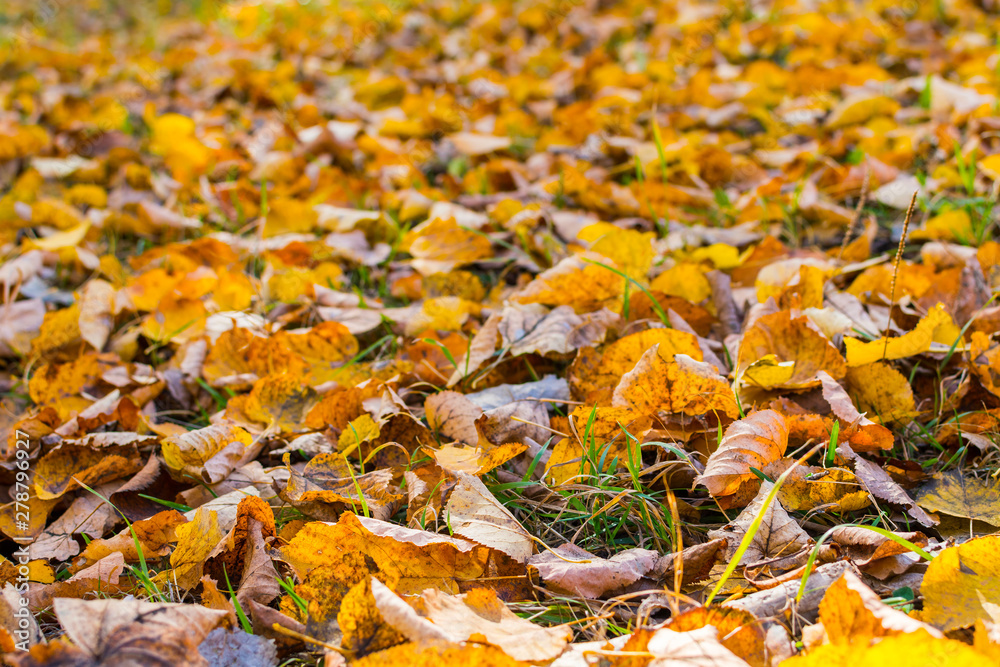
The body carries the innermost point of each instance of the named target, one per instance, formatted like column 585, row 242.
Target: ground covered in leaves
column 542, row 332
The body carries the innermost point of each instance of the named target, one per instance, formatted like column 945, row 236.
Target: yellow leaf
column 409, row 558
column 680, row 386
column 851, row 613
column 959, row 582
column 953, row 225
column 963, row 495
column 578, row 283
column 439, row 245
column 195, row 542
column 443, row 313
column 721, row 255
column 593, row 377
column 911, row 650
column 686, row 280
column 991, row 165
column 881, row 391
column 628, row 249
column 789, row 338
column 357, row 431
column 365, row 631
column 192, row 452
column 279, row 402
column 60, row 240
column 935, row 331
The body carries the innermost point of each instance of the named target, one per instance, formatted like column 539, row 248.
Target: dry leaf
column 960, row 582
column 957, row 494
column 474, row 513
column 754, row 441
column 571, row 570
column 778, row 534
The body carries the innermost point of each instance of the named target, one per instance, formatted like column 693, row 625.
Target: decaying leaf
column 474, row 513
column 132, row 631
column 960, row 582
column 477, row 615
column 957, row 494
column 755, row 441
column 333, row 319
column 777, row 535
column 570, row 569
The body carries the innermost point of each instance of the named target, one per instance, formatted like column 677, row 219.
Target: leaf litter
column 502, row 333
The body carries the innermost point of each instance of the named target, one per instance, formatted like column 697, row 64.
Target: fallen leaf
column 958, row 494
column 934, row 332
column 787, row 338
column 210, row 453
column 474, row 513
column 738, row 631
column 680, row 386
column 134, row 631
column 754, row 441
column 914, row 650
column 851, row 613
column 777, row 535
column 477, row 615
column 222, row 648
column 960, row 582
column 878, row 483
column 574, row 571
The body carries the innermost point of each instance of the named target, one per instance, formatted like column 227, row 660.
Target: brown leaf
column 863, row 434
column 757, row 440
column 152, row 480
column 259, row 579
column 531, row 328
column 67, row 466
column 136, row 632
column 97, row 310
column 454, row 416
column 475, row 514
column 697, row 560
column 327, row 485
column 223, row 648
column 777, row 535
column 570, row 569
column 878, row 483
column 477, row 616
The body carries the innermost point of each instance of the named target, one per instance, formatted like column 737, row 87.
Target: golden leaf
column 681, row 386
column 959, row 582
column 789, row 338
column 210, row 453
column 934, row 332
column 960, row 494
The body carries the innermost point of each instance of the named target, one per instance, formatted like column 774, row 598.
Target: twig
column 895, row 270
column 307, row 639
column 857, row 211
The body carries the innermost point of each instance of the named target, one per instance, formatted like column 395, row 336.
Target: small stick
column 857, row 211
column 288, row 632
column 551, row 430
column 895, row 269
